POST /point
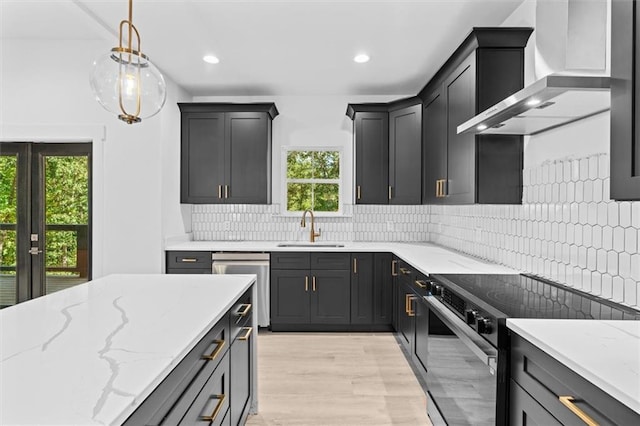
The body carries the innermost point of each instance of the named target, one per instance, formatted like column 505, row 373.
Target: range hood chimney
column 571, row 72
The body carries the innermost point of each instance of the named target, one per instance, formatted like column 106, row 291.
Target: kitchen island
column 93, row 353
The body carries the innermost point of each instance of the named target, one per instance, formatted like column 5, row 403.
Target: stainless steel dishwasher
column 248, row 263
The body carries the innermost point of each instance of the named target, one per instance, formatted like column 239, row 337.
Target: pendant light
column 125, row 81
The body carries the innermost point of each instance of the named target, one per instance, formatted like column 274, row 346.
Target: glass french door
column 45, row 218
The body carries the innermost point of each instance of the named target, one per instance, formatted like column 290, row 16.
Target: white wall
column 46, row 96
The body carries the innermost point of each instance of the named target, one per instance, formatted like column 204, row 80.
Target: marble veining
column 91, row 354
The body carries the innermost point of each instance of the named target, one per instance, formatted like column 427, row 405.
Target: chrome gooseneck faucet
column 303, row 223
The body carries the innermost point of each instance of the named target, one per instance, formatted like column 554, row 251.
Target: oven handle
column 480, row 347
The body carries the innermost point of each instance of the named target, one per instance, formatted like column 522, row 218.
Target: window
column 313, row 180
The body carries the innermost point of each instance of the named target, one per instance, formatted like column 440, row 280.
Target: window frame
column 284, row 180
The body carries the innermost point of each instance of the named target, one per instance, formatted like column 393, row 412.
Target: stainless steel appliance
column 248, row 263
column 467, row 370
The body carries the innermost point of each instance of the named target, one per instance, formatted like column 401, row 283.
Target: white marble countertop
column 92, row 353
column 606, row 353
column 428, row 258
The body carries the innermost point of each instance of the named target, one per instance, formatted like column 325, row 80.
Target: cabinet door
column 406, row 314
column 330, row 297
column 524, row 410
column 248, row 157
column 382, row 288
column 371, row 134
column 240, row 385
column 362, row 288
column 625, row 100
column 434, row 151
column 290, row 296
column 460, row 93
column 202, row 157
column 405, row 155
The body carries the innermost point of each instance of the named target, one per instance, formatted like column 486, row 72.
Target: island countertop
column 606, row 353
column 92, row 353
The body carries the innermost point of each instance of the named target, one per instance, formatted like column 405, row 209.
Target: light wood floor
column 336, row 379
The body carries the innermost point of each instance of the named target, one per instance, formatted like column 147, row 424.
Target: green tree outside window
column 313, row 181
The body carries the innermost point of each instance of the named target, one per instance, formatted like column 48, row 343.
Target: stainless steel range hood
column 550, row 102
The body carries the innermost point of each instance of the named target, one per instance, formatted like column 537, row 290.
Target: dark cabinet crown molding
column 352, row 109
column 268, row 107
column 478, row 38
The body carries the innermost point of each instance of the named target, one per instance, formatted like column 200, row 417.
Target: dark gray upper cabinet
column 625, row 100
column 371, row 134
column 226, row 153
column 388, row 145
column 465, row 169
column 405, row 155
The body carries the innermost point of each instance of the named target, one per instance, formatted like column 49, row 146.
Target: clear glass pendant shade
column 126, row 83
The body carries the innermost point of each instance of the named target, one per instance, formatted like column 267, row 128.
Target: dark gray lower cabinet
column 362, row 288
column 382, row 288
column 212, row 383
column 330, row 297
column 188, row 262
column 537, row 383
column 289, row 297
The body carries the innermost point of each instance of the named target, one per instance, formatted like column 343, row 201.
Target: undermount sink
column 310, row 245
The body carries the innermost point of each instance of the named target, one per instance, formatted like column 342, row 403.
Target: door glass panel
column 66, row 221
column 8, row 229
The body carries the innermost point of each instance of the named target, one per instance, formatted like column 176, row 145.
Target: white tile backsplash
column 579, row 237
column 566, row 230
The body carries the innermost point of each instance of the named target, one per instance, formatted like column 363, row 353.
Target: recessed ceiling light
column 533, row 102
column 361, row 58
column 482, row 127
column 210, row 59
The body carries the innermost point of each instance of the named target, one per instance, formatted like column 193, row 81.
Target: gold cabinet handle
column 437, row 188
column 313, row 283
column 226, row 191
column 358, row 194
column 188, row 260
column 247, row 334
column 306, row 283
column 421, row 283
column 394, row 265
column 221, row 398
column 389, row 191
column 405, row 271
column 213, row 355
column 355, row 265
column 407, row 305
column 219, row 191
column 567, row 401
column 245, row 311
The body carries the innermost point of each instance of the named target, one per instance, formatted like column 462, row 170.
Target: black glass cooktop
column 523, row 296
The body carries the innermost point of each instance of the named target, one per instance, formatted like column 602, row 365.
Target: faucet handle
column 317, row 234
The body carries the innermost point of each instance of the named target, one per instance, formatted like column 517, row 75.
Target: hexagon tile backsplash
column 567, row 230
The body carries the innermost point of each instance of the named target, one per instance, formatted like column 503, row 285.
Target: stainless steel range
column 467, row 364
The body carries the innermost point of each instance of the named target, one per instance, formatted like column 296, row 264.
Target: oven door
column 461, row 379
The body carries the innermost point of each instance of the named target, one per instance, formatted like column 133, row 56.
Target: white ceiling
column 271, row 47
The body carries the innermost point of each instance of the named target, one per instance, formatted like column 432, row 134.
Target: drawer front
column 241, row 313
column 546, row 380
column 290, row 260
column 200, row 362
column 211, row 404
column 524, row 410
column 420, row 283
column 336, row 261
column 189, row 260
column 188, row 271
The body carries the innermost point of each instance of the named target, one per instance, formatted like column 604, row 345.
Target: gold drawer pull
column 226, row 191
column 306, row 283
column 394, row 265
column 421, row 283
column 247, row 334
column 389, row 191
column 358, row 192
column 355, row 265
column 188, row 260
column 313, row 282
column 213, row 355
column 245, row 311
column 405, row 271
column 219, row 191
column 221, row 398
column 567, row 401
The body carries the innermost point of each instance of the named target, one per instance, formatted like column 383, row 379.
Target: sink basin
column 310, row 245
